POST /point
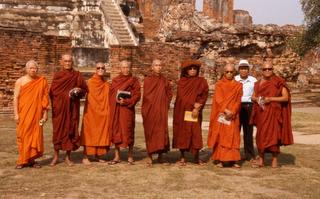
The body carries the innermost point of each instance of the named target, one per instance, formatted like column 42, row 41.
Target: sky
column 279, row 12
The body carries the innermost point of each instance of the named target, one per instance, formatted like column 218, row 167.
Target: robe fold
column 95, row 135
column 274, row 121
column 224, row 140
column 188, row 135
column 65, row 110
column 157, row 95
column 122, row 117
column 33, row 99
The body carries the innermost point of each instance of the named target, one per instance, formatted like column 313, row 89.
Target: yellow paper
column 188, row 117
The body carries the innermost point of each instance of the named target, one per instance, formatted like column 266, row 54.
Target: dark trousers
column 245, row 112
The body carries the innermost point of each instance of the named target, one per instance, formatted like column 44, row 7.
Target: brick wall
column 16, row 48
column 142, row 56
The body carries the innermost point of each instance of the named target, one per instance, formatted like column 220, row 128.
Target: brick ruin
column 18, row 46
column 140, row 30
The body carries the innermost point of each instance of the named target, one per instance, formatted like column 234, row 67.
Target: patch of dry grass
column 299, row 176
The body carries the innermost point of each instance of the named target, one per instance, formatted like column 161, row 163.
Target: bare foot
column 68, row 162
column 86, row 161
column 130, row 161
column 235, row 165
column 200, row 162
column 54, row 162
column 219, row 165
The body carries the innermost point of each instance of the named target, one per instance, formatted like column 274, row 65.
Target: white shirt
column 247, row 87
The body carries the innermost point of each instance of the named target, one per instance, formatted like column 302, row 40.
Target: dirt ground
column 298, row 177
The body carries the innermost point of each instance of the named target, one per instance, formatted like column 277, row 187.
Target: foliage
column 310, row 37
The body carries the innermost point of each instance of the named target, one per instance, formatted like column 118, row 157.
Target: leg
column 68, row 159
column 130, row 155
column 55, row 158
column 197, row 159
column 247, row 131
column 182, row 161
column 274, row 163
column 116, row 158
column 150, row 160
column 85, row 159
column 261, row 160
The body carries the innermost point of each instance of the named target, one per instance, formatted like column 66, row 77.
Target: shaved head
column 31, row 63
column 125, row 67
column 229, row 67
column 229, row 71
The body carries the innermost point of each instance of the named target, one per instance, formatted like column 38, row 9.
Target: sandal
column 181, row 163
column 19, row 166
column 36, row 165
column 113, row 162
column 200, row 162
column 219, row 165
column 237, row 166
column 130, row 162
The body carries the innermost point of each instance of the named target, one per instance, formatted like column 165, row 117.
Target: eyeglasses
column 192, row 68
column 267, row 69
column 231, row 72
column 100, row 68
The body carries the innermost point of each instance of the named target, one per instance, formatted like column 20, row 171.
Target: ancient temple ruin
column 140, row 30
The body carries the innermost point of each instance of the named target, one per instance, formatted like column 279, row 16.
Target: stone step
column 118, row 23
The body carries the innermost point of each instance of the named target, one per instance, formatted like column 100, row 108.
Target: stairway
column 119, row 24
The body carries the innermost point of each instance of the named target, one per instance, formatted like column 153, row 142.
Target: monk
column 124, row 95
column 157, row 95
column 192, row 94
column 224, row 129
column 95, row 137
column 31, row 103
column 67, row 87
column 271, row 114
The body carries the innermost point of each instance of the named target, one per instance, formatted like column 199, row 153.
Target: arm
column 45, row 101
column 135, row 95
column 15, row 100
column 201, row 99
column 283, row 98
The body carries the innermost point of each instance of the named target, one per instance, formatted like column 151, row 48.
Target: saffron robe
column 188, row 135
column 274, row 122
column 157, row 94
column 33, row 99
column 94, row 132
column 224, row 140
column 65, row 110
column 122, row 117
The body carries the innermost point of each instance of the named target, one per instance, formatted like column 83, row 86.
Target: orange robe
column 224, row 139
column 274, row 122
column 94, row 132
column 65, row 110
column 188, row 135
column 122, row 117
column 33, row 99
column 157, row 95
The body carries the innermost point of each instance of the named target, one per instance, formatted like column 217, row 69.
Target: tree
column 310, row 37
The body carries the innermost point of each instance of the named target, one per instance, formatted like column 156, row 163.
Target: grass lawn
column 299, row 176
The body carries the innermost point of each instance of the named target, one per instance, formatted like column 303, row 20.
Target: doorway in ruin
column 199, row 5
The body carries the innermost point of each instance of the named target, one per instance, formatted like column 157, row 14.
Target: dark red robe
column 157, row 94
column 188, row 135
column 274, row 122
column 122, row 117
column 65, row 110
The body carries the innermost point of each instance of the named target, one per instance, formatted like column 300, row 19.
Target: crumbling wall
column 142, row 56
